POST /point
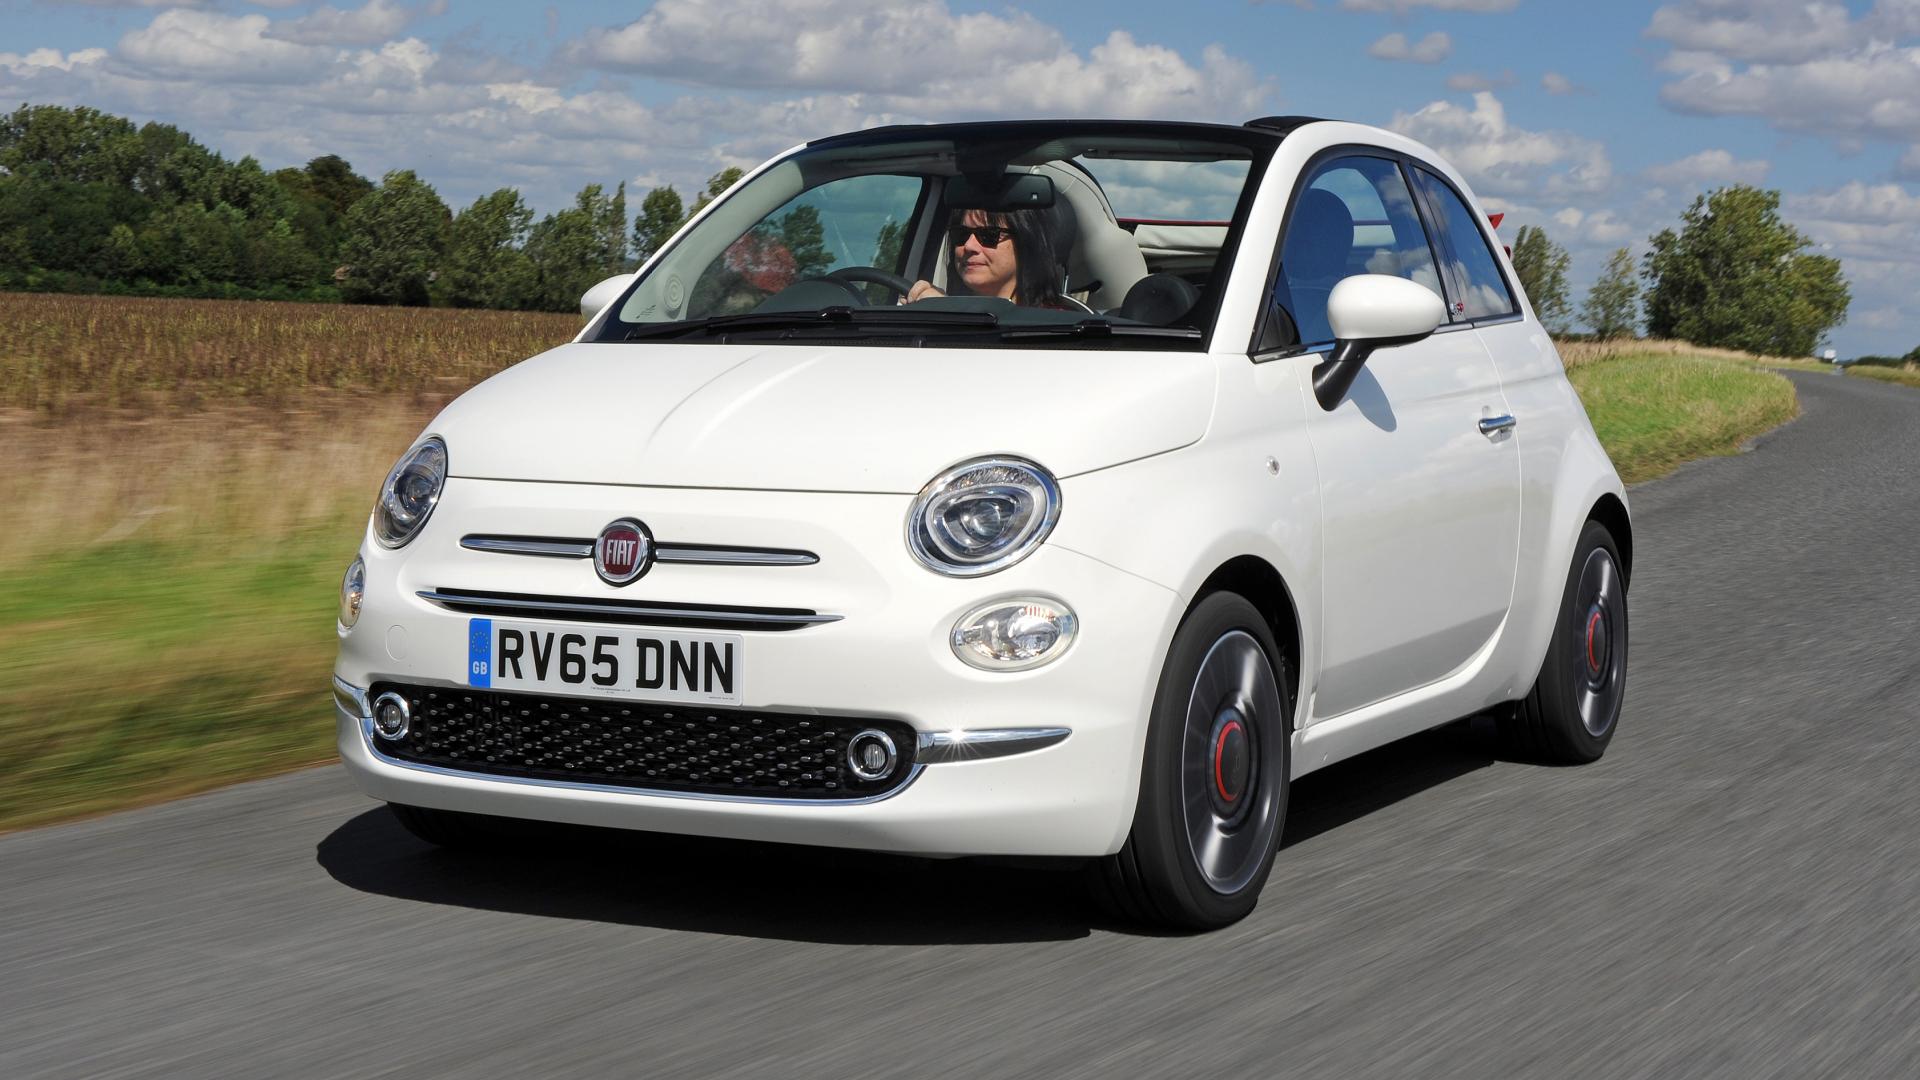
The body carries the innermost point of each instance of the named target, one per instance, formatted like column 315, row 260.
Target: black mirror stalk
column 1334, row 376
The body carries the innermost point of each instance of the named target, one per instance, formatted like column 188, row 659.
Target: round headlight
column 412, row 490
column 353, row 589
column 1008, row 635
column 982, row 516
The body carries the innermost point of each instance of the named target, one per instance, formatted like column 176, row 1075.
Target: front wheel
column 1570, row 714
column 1213, row 784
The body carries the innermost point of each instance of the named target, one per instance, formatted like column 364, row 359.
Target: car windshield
column 1037, row 233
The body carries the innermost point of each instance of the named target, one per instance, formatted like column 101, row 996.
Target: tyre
column 1213, row 783
column 456, row 829
column 1570, row 714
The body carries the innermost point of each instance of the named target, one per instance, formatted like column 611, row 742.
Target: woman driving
column 1011, row 254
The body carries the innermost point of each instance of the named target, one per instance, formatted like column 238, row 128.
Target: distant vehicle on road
column 1047, row 488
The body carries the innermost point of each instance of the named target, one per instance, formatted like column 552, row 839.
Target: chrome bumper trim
column 563, row 547
column 351, row 700
column 949, row 747
column 635, row 614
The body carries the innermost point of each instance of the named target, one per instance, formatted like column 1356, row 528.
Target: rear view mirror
column 1006, row 191
column 602, row 294
column 1368, row 312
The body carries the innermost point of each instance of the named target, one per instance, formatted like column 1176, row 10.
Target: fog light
column 353, row 589
column 1008, row 635
column 871, row 755
column 391, row 717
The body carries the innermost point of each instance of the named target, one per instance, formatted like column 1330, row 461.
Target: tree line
column 1734, row 275
column 91, row 202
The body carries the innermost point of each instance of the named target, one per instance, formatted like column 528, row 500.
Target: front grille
column 643, row 746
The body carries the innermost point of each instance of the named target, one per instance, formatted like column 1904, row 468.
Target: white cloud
column 1756, row 31
column 1431, row 49
column 1559, row 85
column 1467, row 82
column 50, row 59
column 1709, row 167
column 918, row 57
column 1499, row 158
column 1801, row 65
column 1588, row 228
column 471, row 120
column 378, row 21
column 205, row 46
column 1401, row 7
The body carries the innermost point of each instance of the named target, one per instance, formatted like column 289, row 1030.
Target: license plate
column 604, row 661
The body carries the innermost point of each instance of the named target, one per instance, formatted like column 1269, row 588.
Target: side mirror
column 602, row 294
column 1368, row 312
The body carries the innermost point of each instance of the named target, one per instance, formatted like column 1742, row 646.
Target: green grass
column 136, row 672
column 1884, row 374
column 1655, row 412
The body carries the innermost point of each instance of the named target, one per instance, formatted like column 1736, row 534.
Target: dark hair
column 1038, row 275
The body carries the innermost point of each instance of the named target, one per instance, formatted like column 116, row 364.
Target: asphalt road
column 1733, row 891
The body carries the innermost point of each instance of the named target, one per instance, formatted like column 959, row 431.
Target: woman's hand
column 921, row 290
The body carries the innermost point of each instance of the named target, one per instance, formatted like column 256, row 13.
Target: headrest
column 1319, row 238
column 1159, row 300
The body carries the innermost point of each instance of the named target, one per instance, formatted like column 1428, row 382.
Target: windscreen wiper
column 1098, row 328
column 830, row 318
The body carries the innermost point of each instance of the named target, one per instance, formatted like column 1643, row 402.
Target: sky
column 1598, row 121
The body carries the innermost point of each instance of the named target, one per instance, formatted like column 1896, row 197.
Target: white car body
column 1421, row 561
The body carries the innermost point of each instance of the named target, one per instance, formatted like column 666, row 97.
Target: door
column 1420, row 508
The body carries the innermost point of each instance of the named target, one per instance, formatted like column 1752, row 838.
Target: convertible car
column 1040, row 488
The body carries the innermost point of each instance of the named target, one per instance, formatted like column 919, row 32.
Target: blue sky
column 1597, row 121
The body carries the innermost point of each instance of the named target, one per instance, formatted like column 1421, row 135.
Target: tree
column 569, row 250
column 395, row 238
column 485, row 264
column 805, row 239
column 717, row 185
column 613, row 230
column 1738, row 277
column 661, row 214
column 1542, row 266
column 1612, row 307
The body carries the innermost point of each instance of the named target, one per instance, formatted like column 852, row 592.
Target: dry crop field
column 186, row 480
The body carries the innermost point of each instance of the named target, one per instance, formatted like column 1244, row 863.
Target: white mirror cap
column 602, row 294
column 1370, row 307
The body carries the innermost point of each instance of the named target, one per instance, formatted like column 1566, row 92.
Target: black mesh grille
column 636, row 745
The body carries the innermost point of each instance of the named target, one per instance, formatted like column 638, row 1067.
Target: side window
column 1479, row 291
column 856, row 221
column 1354, row 216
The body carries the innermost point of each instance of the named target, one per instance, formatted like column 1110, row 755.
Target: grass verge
column 1656, row 411
column 1902, row 376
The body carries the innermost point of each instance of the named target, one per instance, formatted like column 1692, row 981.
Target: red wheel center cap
column 1230, row 761
column 1596, row 641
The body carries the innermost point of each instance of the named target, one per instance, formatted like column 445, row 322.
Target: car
column 1055, row 489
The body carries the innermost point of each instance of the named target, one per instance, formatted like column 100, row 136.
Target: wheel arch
column 1263, row 586
column 1609, row 511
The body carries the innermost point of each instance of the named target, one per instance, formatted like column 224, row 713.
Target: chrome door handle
column 1490, row 425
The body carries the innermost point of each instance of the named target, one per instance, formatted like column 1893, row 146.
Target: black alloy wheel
column 1213, row 784
column 1574, row 707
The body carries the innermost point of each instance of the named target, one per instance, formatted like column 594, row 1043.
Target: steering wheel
column 894, row 282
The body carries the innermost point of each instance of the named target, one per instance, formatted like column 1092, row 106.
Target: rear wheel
column 1213, row 784
column 1570, row 714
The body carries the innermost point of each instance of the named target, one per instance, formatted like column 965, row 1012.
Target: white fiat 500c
column 1050, row 488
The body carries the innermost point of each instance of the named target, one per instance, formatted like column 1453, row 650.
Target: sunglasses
column 988, row 235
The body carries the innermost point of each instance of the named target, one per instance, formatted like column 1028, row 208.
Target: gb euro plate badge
column 604, row 661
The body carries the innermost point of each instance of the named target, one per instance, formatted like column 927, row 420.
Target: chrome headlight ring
column 411, row 491
column 982, row 516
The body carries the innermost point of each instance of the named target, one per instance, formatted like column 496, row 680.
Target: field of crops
column 186, row 480
column 72, row 352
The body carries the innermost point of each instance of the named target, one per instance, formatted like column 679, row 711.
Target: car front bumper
column 887, row 657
